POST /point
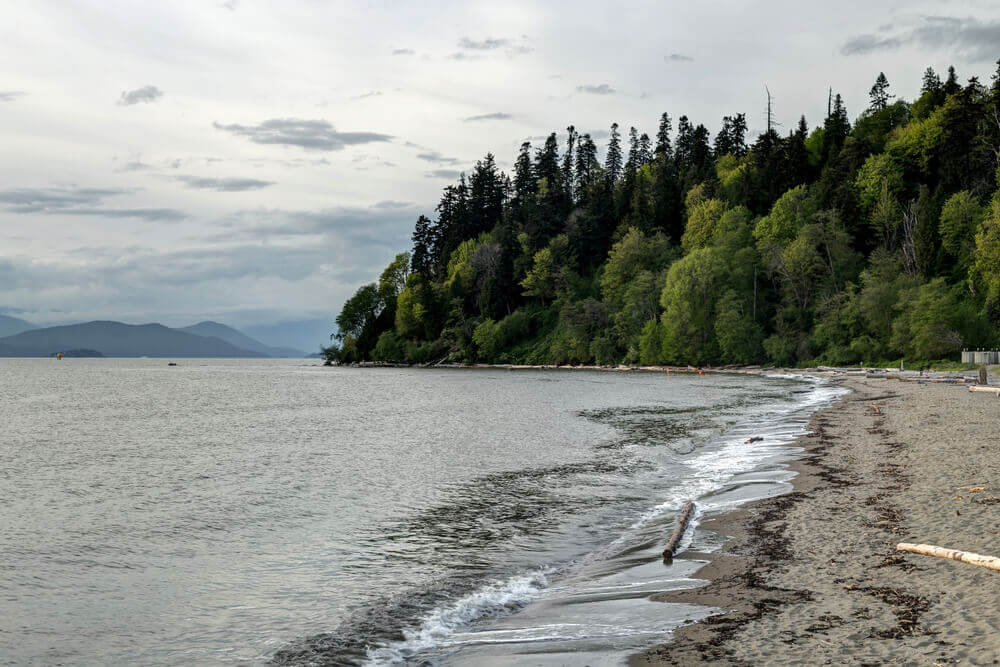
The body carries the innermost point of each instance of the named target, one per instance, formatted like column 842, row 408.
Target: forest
column 867, row 242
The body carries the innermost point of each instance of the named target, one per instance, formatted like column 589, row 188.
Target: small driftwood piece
column 683, row 519
column 988, row 562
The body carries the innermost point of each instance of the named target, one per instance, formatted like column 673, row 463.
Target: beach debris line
column 683, row 519
column 989, row 562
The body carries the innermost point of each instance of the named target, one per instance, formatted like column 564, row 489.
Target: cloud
column 862, row 44
column 602, row 89
column 80, row 201
column 974, row 39
column 443, row 173
column 145, row 94
column 499, row 115
column 436, row 158
column 231, row 5
column 373, row 93
column 134, row 165
column 403, row 52
column 10, row 95
column 390, row 204
column 223, row 184
column 488, row 44
column 308, row 134
column 148, row 214
column 42, row 200
column 509, row 47
column 678, row 58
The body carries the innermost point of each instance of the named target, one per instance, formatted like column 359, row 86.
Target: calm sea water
column 275, row 511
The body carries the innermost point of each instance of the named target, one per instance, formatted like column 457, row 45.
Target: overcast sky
column 252, row 162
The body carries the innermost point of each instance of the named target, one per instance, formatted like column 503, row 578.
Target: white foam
column 491, row 600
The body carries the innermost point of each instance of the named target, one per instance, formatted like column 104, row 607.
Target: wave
column 495, row 599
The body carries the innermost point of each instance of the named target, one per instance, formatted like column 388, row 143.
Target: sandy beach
column 813, row 577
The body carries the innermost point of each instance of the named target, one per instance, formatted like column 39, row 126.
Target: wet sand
column 812, row 577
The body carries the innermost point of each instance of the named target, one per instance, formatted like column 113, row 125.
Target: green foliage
column 929, row 323
column 987, row 263
column 703, row 217
column 651, row 344
column 789, row 214
column 960, row 220
column 688, row 300
column 843, row 244
column 880, row 175
column 740, row 337
column 390, row 347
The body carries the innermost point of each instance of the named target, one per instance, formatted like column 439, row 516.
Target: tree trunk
column 683, row 519
column 988, row 562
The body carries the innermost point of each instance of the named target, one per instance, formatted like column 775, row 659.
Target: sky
column 255, row 162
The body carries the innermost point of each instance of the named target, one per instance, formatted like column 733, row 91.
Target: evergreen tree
column 569, row 177
column 879, row 93
column 422, row 260
column 951, row 85
column 613, row 162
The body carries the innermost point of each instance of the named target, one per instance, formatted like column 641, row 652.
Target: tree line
column 870, row 241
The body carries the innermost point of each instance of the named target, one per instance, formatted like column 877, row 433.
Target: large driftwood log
column 988, row 390
column 954, row 554
column 683, row 519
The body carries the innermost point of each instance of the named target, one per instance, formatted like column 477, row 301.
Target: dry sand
column 813, row 577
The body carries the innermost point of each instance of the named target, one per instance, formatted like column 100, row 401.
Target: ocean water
column 279, row 512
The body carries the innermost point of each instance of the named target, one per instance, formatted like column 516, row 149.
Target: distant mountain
column 240, row 339
column 306, row 335
column 114, row 339
column 14, row 325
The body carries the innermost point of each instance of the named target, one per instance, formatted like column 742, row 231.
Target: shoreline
column 812, row 576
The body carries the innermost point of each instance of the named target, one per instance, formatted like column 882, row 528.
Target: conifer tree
column 879, row 93
column 613, row 161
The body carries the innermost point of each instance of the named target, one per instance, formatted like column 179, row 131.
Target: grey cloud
column 223, row 184
column 134, row 165
column 602, row 89
column 678, row 58
column 488, row 44
column 443, row 173
column 10, row 95
column 148, row 214
column 403, row 52
column 508, row 46
column 499, row 115
column 863, row 44
column 308, row 134
column 436, row 158
column 35, row 200
column 974, row 39
column 461, row 55
column 144, row 94
column 373, row 93
column 80, row 201
column 386, row 224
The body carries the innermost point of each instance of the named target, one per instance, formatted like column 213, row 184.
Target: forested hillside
column 844, row 243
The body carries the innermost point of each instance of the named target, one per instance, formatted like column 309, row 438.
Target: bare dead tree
column 908, row 230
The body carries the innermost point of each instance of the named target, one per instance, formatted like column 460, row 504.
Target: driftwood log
column 683, row 519
column 988, row 390
column 988, row 562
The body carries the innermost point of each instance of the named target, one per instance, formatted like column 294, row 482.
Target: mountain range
column 115, row 339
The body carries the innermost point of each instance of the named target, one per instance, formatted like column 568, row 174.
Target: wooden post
column 683, row 519
column 982, row 375
column 988, row 562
